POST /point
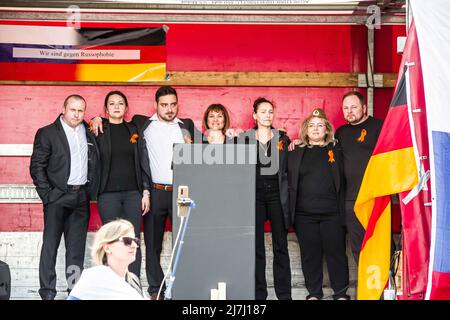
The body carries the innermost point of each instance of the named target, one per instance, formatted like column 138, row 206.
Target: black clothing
column 50, row 162
column 122, row 174
column 271, row 203
column 120, row 149
column 278, row 165
column 355, row 229
column 320, row 236
column 295, row 162
column 227, row 140
column 124, row 205
column 357, row 147
column 121, row 183
column 154, row 226
column 160, row 203
column 264, row 152
column 69, row 214
column 316, row 190
column 268, row 206
column 66, row 209
column 358, row 142
column 319, row 233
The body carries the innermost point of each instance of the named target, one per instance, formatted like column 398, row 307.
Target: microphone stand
column 171, row 278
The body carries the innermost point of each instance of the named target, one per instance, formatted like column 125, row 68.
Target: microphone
column 183, row 201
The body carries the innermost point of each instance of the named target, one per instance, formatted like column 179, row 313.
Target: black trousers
column 125, row 205
column 69, row 215
column 268, row 206
column 322, row 235
column 355, row 229
column 154, row 224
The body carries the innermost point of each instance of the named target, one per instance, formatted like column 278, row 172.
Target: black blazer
column 50, row 162
column 283, row 186
column 188, row 129
column 228, row 140
column 104, row 145
column 283, row 179
column 294, row 162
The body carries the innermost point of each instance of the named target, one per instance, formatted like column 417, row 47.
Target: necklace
column 266, row 149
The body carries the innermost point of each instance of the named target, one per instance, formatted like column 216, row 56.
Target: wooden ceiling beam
column 244, row 79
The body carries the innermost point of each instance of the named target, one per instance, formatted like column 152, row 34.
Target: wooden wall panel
column 24, row 111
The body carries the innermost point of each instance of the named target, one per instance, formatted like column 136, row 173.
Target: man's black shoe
column 48, row 296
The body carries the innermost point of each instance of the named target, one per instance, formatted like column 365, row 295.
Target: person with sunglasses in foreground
column 114, row 249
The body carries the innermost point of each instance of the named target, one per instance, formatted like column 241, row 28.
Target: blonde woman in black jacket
column 316, row 203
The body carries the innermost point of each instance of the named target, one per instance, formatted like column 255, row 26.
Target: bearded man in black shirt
column 358, row 139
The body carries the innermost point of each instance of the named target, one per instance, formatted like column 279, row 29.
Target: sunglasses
column 129, row 240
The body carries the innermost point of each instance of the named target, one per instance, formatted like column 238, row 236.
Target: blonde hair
column 108, row 233
column 329, row 132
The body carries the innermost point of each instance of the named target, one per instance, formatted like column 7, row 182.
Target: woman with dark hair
column 216, row 122
column 271, row 200
column 121, row 193
column 316, row 204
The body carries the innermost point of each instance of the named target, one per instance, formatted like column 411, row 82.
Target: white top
column 160, row 137
column 102, row 283
column 78, row 153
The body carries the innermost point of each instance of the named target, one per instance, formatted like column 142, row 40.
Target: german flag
column 60, row 53
column 391, row 169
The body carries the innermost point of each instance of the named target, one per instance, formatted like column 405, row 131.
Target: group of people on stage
column 126, row 166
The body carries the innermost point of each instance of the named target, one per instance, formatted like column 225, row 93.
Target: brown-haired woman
column 121, row 194
column 216, row 122
column 316, row 204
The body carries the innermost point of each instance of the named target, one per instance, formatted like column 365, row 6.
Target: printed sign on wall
column 52, row 53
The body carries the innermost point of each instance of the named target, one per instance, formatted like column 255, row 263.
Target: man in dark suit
column 157, row 135
column 63, row 168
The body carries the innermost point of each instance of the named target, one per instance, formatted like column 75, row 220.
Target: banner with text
column 60, row 53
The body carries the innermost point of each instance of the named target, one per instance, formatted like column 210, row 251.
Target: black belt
column 72, row 187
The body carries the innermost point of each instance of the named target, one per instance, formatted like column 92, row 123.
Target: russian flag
column 432, row 20
column 61, row 53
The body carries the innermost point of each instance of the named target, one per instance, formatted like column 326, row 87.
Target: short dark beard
column 360, row 120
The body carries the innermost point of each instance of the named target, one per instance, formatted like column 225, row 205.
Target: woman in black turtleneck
column 121, row 193
column 316, row 202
